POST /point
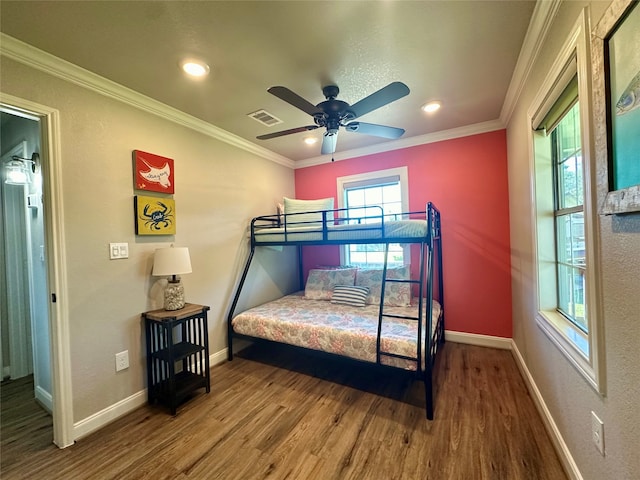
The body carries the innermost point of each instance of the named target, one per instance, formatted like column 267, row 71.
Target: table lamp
column 172, row 261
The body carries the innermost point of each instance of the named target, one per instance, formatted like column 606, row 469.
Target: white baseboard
column 478, row 340
column 44, row 398
column 117, row 410
column 561, row 448
column 111, row 413
column 108, row 415
column 559, row 444
column 218, row 357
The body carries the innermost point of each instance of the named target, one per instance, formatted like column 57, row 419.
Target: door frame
column 56, row 263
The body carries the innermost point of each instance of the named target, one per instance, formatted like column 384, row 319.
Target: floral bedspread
column 341, row 329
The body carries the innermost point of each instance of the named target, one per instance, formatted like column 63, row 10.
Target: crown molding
column 543, row 16
column 50, row 64
column 468, row 130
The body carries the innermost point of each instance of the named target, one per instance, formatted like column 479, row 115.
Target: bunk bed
column 376, row 316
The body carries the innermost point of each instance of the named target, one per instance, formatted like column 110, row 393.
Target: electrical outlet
column 122, row 360
column 597, row 432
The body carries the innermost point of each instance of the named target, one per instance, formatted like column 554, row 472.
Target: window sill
column 571, row 341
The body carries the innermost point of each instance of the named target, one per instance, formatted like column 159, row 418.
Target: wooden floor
column 284, row 416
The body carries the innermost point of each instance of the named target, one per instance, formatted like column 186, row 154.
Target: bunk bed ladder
column 382, row 315
column 423, row 332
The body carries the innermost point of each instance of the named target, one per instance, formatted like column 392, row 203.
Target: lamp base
column 174, row 295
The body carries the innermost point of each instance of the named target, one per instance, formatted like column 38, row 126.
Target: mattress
column 400, row 229
column 341, row 329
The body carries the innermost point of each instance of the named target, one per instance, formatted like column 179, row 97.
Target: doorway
column 32, row 234
column 24, row 329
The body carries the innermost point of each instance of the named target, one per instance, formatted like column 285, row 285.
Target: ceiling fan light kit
column 332, row 114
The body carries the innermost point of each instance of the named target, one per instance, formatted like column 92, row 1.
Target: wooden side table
column 177, row 354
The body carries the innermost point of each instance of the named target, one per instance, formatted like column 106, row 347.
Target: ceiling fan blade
column 375, row 130
column 286, row 132
column 329, row 142
column 385, row 95
column 292, row 98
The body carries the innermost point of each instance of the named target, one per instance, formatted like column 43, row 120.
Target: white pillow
column 292, row 205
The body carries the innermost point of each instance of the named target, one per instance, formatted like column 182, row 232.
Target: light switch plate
column 118, row 250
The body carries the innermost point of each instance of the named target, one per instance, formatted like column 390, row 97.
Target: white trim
column 478, row 340
column 56, row 266
column 569, row 464
column 38, row 59
column 107, row 415
column 440, row 136
column 543, row 15
column 57, row 281
column 44, row 398
column 592, row 369
column 218, row 357
column 557, row 329
column 401, row 172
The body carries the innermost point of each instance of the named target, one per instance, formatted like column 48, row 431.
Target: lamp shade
column 171, row 261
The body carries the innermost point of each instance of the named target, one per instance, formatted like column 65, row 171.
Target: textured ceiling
column 462, row 53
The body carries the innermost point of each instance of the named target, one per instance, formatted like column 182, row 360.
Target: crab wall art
column 154, row 215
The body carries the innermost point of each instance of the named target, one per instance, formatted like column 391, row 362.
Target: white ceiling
column 462, row 53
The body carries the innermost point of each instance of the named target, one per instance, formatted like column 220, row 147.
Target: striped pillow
column 350, row 295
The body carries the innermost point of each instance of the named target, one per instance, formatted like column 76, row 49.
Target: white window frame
column 574, row 57
column 401, row 172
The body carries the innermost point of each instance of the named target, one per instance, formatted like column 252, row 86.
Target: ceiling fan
column 333, row 114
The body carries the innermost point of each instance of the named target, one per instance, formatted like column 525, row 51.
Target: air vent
column 265, row 118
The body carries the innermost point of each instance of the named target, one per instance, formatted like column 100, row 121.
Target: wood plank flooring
column 283, row 415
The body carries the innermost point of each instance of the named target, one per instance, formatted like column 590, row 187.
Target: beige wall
column 566, row 393
column 218, row 188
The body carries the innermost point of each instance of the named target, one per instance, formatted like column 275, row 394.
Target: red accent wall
column 466, row 179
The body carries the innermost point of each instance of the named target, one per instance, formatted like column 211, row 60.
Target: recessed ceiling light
column 195, row 68
column 310, row 140
column 431, row 107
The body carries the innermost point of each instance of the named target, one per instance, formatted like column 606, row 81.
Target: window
column 569, row 217
column 567, row 284
column 371, row 194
